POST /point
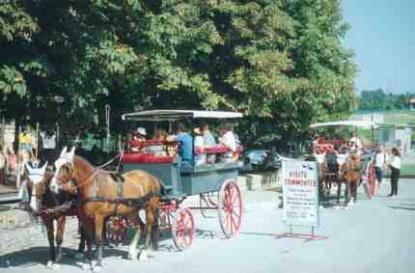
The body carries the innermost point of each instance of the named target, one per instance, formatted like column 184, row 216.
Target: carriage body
column 182, row 180
column 215, row 183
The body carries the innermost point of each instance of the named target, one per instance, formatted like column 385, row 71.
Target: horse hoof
column 86, row 267
column 151, row 253
column 97, row 268
column 49, row 264
column 56, row 266
column 133, row 256
column 143, row 256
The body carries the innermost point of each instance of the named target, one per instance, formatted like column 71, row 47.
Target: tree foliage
column 280, row 62
column 378, row 100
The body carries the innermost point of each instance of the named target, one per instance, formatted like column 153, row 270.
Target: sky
column 382, row 36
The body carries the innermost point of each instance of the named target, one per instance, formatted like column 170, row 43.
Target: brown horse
column 50, row 207
column 350, row 174
column 324, row 188
column 104, row 194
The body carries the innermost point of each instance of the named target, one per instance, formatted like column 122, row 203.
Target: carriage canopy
column 172, row 115
column 351, row 123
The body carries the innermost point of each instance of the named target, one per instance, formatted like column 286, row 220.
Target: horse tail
column 162, row 189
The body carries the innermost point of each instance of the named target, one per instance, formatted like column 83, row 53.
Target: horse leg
column 59, row 236
column 48, row 221
column 346, row 193
column 339, row 189
column 87, row 226
column 151, row 211
column 81, row 246
column 355, row 191
column 155, row 232
column 99, row 222
column 139, row 226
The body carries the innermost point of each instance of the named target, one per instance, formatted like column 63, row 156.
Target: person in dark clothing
column 395, row 165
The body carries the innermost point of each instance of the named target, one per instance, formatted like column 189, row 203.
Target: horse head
column 63, row 169
column 36, row 184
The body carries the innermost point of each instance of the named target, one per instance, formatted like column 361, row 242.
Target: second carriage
column 323, row 147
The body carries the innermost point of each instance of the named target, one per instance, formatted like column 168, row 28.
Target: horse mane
column 83, row 161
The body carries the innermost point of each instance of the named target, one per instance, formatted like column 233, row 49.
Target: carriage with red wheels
column 215, row 182
column 323, row 146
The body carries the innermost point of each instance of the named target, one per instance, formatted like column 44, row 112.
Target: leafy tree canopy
column 280, row 62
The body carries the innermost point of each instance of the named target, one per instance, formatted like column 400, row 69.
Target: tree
column 280, row 62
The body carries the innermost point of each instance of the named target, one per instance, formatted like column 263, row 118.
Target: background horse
column 324, row 189
column 50, row 207
column 104, row 194
column 350, row 174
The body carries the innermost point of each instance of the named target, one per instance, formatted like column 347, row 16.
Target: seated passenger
column 208, row 141
column 185, row 142
column 228, row 140
column 139, row 135
column 200, row 158
column 159, row 149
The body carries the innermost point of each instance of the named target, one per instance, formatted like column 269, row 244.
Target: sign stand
column 307, row 237
column 300, row 198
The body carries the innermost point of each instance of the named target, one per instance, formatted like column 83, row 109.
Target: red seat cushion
column 145, row 158
column 218, row 149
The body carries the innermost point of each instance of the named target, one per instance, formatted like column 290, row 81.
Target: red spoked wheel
column 371, row 182
column 230, row 208
column 207, row 201
column 182, row 228
column 116, row 230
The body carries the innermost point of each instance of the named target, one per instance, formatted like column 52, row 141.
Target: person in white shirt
column 200, row 158
column 380, row 162
column 355, row 143
column 229, row 141
column 395, row 165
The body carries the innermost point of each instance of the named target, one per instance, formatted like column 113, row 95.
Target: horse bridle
column 78, row 184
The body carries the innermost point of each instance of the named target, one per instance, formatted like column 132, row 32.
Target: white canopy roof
column 352, row 123
column 160, row 115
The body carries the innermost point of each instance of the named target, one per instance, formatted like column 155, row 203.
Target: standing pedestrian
column 3, row 165
column 380, row 162
column 395, row 165
column 11, row 161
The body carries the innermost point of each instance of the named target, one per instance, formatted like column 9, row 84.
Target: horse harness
column 135, row 202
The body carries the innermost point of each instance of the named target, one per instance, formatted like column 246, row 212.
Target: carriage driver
column 355, row 144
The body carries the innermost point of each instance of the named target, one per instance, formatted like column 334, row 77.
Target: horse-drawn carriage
column 155, row 181
column 335, row 160
column 182, row 180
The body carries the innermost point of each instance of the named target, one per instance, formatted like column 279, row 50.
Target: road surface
column 372, row 236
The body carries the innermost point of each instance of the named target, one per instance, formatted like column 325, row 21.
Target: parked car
column 261, row 160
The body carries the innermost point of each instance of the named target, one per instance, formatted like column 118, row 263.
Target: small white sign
column 300, row 193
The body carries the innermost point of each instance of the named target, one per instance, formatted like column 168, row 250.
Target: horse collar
column 82, row 183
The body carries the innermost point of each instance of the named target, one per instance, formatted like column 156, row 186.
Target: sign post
column 300, row 198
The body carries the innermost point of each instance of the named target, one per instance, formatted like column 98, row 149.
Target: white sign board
column 300, row 193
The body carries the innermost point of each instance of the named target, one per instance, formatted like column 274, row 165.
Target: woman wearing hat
column 138, row 136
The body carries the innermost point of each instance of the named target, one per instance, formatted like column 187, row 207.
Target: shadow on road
column 36, row 255
column 402, row 207
column 40, row 255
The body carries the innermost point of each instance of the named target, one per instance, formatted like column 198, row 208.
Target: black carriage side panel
column 207, row 178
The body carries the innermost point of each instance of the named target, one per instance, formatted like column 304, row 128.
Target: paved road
column 373, row 236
